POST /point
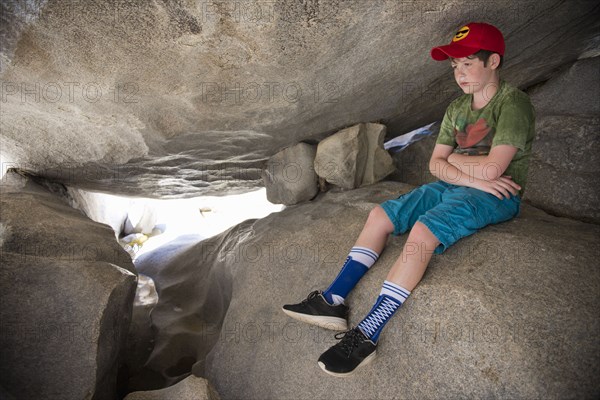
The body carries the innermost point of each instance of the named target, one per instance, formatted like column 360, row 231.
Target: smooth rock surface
column 193, row 295
column 66, row 295
column 573, row 91
column 39, row 223
column 200, row 95
column 64, row 325
column 564, row 176
column 290, row 177
column 140, row 339
column 101, row 207
column 511, row 312
column 191, row 388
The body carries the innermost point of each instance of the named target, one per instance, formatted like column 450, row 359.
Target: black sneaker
column 353, row 351
column 317, row 311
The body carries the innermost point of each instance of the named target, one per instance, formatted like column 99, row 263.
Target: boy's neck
column 481, row 98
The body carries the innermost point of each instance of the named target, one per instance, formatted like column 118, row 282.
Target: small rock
column 354, row 157
column 290, row 177
column 341, row 158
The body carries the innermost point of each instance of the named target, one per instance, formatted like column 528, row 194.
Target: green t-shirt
column 509, row 118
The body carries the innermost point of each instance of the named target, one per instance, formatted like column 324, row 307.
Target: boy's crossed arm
column 489, row 167
column 479, row 172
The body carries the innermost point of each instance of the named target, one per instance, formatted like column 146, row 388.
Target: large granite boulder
column 507, row 313
column 64, row 325
column 178, row 99
column 39, row 223
column 290, row 176
column 66, row 293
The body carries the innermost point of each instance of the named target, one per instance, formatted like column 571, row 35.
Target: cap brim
column 453, row 50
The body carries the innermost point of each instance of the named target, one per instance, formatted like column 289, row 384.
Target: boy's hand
column 502, row 187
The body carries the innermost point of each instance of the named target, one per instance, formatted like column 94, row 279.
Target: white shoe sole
column 364, row 362
column 333, row 323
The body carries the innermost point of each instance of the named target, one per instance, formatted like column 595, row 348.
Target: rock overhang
column 172, row 100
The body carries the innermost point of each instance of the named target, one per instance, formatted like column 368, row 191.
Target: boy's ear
column 494, row 61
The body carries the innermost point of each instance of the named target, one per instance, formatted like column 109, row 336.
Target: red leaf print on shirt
column 475, row 133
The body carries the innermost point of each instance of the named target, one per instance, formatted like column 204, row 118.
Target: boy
column 481, row 157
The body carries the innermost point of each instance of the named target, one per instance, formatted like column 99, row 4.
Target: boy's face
column 472, row 75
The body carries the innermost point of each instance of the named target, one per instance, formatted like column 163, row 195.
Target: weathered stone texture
column 354, row 156
column 499, row 309
column 66, row 295
column 290, row 176
column 564, row 176
column 510, row 311
column 176, row 99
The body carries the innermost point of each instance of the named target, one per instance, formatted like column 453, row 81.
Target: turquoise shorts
column 450, row 212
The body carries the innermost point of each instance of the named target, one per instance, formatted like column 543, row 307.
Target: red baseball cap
column 469, row 40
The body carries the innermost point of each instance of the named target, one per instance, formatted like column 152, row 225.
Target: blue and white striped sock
column 389, row 301
column 357, row 264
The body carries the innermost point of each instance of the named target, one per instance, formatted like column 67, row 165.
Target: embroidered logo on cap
column 461, row 34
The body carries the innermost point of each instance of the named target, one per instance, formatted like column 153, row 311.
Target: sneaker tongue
column 352, row 339
column 360, row 334
column 350, row 343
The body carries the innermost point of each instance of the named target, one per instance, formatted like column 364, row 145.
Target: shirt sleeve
column 446, row 135
column 514, row 123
